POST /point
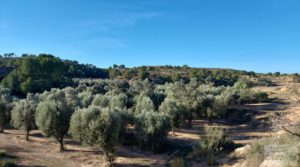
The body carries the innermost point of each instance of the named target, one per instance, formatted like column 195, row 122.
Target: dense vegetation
column 32, row 74
column 37, row 73
column 138, row 111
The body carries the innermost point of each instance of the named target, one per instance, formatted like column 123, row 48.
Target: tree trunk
column 190, row 123
column 1, row 129
column 173, row 131
column 27, row 135
column 210, row 120
column 61, row 144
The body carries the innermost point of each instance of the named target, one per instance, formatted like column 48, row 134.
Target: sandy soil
column 42, row 151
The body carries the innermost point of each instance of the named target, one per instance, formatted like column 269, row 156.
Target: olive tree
column 5, row 107
column 175, row 111
column 23, row 114
column 118, row 101
column 143, row 103
column 152, row 129
column 86, row 98
column 101, row 100
column 53, row 116
column 97, row 127
column 72, row 97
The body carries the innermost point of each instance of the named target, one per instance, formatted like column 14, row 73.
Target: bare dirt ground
column 284, row 109
column 42, row 151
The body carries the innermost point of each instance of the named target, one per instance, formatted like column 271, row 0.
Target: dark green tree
column 37, row 74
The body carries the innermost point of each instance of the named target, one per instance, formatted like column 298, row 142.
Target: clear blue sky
column 259, row 35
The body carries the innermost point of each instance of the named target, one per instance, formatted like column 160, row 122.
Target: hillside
column 258, row 122
column 61, row 113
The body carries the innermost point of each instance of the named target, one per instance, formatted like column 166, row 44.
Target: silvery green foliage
column 158, row 97
column 43, row 96
column 127, row 119
column 143, row 104
column 5, row 107
column 221, row 103
column 152, row 129
column 101, row 101
column 23, row 114
column 86, row 98
column 212, row 142
column 119, row 86
column 175, row 110
column 97, row 127
column 53, row 115
column 72, row 98
column 118, row 101
column 142, row 86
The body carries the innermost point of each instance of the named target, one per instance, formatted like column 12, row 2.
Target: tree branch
column 290, row 132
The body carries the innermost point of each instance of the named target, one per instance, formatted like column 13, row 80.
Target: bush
column 152, row 130
column 261, row 97
column 213, row 143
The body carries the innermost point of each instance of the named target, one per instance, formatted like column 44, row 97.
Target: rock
column 272, row 163
column 241, row 152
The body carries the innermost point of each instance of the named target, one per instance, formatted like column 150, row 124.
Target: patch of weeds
column 177, row 162
column 284, row 149
column 2, row 154
column 213, row 143
column 10, row 164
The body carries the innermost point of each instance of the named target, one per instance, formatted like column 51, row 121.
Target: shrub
column 97, row 127
column 213, row 142
column 152, row 129
column 261, row 97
